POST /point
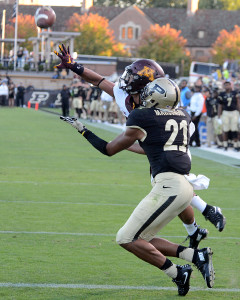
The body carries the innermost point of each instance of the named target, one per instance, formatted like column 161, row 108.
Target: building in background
column 200, row 27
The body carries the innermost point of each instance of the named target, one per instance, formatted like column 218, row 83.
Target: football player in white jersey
column 127, row 95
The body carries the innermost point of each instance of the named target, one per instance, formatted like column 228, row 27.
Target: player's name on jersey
column 161, row 112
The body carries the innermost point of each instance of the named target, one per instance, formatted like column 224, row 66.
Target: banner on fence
column 44, row 98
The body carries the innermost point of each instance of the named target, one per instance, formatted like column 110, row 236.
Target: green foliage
column 231, row 5
column 40, row 68
column 210, row 4
column 26, row 67
column 96, row 37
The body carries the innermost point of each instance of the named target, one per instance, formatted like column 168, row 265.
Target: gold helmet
column 160, row 93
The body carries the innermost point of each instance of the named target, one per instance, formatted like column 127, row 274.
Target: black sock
column 180, row 249
column 206, row 210
column 167, row 264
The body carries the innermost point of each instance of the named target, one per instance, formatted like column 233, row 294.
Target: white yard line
column 106, row 287
column 102, row 234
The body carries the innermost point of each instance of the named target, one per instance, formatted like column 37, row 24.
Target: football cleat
column 183, row 279
column 195, row 239
column 216, row 217
column 205, row 266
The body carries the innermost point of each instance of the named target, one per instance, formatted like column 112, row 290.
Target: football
column 45, row 17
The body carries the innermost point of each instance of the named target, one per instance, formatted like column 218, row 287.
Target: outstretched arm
column 88, row 75
column 121, row 142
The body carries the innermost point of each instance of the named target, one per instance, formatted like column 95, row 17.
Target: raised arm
column 88, row 75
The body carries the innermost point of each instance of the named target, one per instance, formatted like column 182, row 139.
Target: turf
column 62, row 203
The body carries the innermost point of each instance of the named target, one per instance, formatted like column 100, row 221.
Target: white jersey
column 123, row 100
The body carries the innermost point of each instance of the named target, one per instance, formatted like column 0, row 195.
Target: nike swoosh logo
column 166, row 187
column 186, row 276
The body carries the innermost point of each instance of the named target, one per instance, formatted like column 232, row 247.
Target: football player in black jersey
column 213, row 127
column 228, row 114
column 132, row 81
column 163, row 133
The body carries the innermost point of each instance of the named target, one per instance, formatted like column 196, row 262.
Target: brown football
column 45, row 17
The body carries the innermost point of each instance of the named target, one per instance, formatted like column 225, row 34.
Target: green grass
column 53, row 181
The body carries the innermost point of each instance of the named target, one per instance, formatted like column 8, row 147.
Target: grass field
column 62, row 203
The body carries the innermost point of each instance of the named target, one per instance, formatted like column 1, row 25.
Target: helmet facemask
column 132, row 83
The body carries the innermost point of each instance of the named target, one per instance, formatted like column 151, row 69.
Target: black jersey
column 228, row 100
column 95, row 93
column 76, row 91
column 211, row 106
column 167, row 138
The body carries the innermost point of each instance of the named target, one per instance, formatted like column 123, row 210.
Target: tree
column 26, row 29
column 96, row 37
column 231, row 5
column 211, row 4
column 227, row 45
column 163, row 44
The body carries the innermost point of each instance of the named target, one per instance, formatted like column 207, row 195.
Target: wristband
column 78, row 69
column 100, row 81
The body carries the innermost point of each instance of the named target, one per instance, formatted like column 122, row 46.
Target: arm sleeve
column 95, row 141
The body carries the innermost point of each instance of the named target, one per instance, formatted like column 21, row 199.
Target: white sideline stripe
column 88, row 203
column 105, row 287
column 72, row 183
column 102, row 234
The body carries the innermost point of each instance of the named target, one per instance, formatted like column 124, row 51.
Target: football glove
column 67, row 60
column 74, row 122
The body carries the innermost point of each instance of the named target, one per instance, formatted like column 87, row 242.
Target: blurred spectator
column 199, row 81
column 196, row 106
column 106, row 103
column 11, row 88
column 65, row 96
column 113, row 112
column 228, row 114
column 77, row 102
column 3, row 93
column 225, row 74
column 94, row 96
column 20, row 95
column 211, row 106
column 219, row 74
column 19, row 57
column 185, row 95
column 84, row 87
column 214, row 75
column 25, row 56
